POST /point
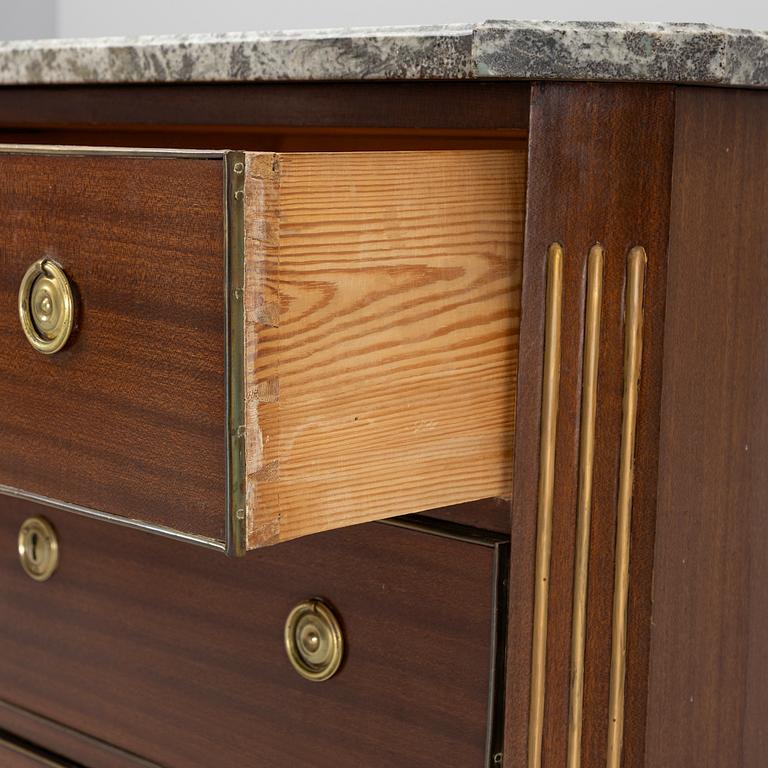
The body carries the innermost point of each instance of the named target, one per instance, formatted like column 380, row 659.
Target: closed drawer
column 177, row 655
column 264, row 345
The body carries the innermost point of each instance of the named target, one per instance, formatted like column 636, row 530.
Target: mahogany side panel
column 708, row 686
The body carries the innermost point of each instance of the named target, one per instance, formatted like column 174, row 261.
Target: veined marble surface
column 668, row 53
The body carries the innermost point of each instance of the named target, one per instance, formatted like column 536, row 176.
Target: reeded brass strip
column 595, row 263
column 633, row 344
column 549, row 406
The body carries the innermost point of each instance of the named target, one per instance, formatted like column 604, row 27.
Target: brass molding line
column 234, row 238
column 633, row 345
column 595, row 262
column 107, row 517
column 549, row 407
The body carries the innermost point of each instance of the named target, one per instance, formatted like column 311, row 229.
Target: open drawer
column 262, row 345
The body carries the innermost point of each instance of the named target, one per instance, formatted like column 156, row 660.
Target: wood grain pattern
column 599, row 167
column 128, row 418
column 82, row 749
column 382, row 305
column 273, row 106
column 708, row 685
column 175, row 653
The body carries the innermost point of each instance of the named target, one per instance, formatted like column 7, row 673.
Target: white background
column 21, row 19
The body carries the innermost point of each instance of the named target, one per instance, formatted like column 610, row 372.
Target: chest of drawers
column 391, row 399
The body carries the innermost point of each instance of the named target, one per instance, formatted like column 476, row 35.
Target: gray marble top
column 669, row 53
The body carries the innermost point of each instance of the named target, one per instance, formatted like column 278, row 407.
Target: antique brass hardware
column 38, row 548
column 46, row 306
column 313, row 640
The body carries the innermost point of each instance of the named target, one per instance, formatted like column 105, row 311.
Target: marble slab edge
column 529, row 50
column 662, row 53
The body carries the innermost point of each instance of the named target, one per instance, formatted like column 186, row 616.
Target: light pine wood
column 382, row 314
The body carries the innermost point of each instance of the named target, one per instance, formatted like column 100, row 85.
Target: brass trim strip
column 108, row 517
column 78, row 151
column 633, row 345
column 549, row 409
column 234, row 364
column 494, row 743
column 595, row 264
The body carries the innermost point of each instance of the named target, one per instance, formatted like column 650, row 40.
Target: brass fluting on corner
column 633, row 344
column 549, row 407
column 595, row 263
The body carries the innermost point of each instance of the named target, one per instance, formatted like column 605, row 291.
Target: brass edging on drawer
column 78, row 151
column 234, row 364
column 125, row 522
column 494, row 755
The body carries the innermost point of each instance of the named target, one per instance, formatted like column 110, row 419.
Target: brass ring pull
column 46, row 306
column 313, row 640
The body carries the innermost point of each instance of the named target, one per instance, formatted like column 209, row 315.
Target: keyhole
column 38, row 548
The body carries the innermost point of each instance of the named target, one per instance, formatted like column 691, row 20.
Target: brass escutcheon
column 313, row 640
column 46, row 306
column 38, row 548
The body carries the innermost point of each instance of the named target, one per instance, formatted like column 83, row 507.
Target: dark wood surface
column 259, row 139
column 489, row 514
column 17, row 753
column 129, row 418
column 84, row 750
column 599, row 171
column 176, row 653
column 427, row 105
column 708, row 687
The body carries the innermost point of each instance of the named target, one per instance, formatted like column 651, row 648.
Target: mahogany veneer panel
column 176, row 654
column 129, row 418
column 708, row 684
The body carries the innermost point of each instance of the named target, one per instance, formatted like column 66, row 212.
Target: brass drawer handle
column 46, row 306
column 38, row 548
column 313, row 640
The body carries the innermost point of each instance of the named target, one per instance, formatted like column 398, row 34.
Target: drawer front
column 176, row 655
column 129, row 418
column 265, row 345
